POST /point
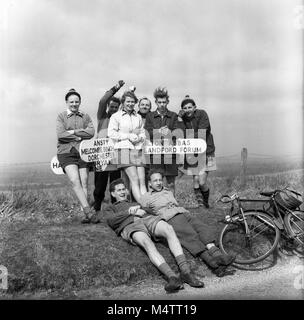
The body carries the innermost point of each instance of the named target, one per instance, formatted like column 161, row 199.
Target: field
column 44, row 246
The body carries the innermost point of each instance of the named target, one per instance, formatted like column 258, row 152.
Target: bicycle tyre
column 233, row 241
column 295, row 225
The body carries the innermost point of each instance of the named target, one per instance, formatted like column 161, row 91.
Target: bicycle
column 253, row 234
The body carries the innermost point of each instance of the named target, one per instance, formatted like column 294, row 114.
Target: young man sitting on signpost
column 134, row 225
column 194, row 235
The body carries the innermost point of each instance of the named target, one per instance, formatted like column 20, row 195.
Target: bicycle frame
column 241, row 211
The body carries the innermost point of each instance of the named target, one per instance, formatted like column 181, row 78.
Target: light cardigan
column 121, row 125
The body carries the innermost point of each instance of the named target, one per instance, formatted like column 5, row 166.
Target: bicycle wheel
column 255, row 245
column 294, row 222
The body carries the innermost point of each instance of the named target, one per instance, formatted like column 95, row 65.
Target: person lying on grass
column 133, row 224
column 194, row 235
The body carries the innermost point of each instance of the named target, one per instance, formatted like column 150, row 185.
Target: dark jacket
column 117, row 215
column 155, row 121
column 103, row 117
column 199, row 120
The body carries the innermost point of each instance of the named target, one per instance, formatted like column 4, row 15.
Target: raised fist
column 121, row 83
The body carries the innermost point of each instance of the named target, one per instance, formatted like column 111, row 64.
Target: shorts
column 146, row 225
column 73, row 157
column 129, row 158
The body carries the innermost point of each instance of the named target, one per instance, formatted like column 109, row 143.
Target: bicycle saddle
column 267, row 193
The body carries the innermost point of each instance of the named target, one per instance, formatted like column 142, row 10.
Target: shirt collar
column 166, row 114
column 70, row 113
column 117, row 202
column 126, row 112
column 163, row 189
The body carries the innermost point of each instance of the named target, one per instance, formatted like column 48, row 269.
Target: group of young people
column 154, row 214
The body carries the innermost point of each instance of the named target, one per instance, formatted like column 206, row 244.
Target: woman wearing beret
column 191, row 118
column 126, row 129
column 73, row 126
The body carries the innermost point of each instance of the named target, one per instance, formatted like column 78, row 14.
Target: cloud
column 238, row 57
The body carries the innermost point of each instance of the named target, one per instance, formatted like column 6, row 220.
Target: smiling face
column 144, row 106
column 161, row 104
column 73, row 103
column 113, row 107
column 156, row 182
column 120, row 193
column 129, row 103
column 189, row 109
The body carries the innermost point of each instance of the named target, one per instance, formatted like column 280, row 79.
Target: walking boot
column 221, row 258
column 190, row 278
column 208, row 260
column 95, row 218
column 174, row 284
column 205, row 195
column 222, row 271
column 199, row 197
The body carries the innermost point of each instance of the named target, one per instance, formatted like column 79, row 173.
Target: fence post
column 243, row 167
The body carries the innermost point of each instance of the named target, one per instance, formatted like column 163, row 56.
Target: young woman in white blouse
column 127, row 132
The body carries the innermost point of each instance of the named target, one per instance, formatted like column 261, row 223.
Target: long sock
column 182, row 263
column 215, row 251
column 165, row 269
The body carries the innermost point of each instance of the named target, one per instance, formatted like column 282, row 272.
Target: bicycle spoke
column 253, row 244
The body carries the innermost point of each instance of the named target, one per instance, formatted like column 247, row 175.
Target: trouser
column 192, row 232
column 100, row 182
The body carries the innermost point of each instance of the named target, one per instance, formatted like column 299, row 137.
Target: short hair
column 145, row 98
column 161, row 92
column 72, row 92
column 114, row 99
column 155, row 170
column 130, row 94
column 115, row 183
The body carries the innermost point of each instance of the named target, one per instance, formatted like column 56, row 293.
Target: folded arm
column 64, row 135
column 88, row 131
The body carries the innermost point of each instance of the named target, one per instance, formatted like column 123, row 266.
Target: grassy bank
column 44, row 246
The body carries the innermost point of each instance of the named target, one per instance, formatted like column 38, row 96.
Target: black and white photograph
column 152, row 151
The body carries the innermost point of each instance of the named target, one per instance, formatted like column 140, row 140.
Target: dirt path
column 283, row 281
column 279, row 282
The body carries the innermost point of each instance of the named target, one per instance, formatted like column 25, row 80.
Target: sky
column 240, row 60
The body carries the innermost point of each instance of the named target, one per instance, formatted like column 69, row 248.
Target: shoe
column 221, row 258
column 190, row 279
column 85, row 220
column 209, row 260
column 174, row 284
column 95, row 218
column 222, row 271
column 225, row 259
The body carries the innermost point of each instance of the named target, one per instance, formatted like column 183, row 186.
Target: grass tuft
column 44, row 246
